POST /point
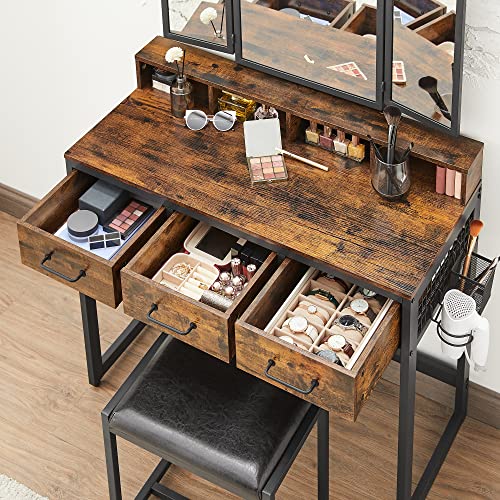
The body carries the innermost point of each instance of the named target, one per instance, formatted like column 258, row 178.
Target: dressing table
column 333, row 221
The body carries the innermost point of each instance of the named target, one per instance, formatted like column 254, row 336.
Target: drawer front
column 304, row 374
column 198, row 324
column 67, row 263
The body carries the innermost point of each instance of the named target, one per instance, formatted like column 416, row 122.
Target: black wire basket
column 477, row 283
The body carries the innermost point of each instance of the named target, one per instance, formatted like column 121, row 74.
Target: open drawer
column 155, row 304
column 66, row 262
column 302, row 372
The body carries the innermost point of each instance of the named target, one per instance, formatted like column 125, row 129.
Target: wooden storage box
column 101, row 279
column 151, row 302
column 294, row 369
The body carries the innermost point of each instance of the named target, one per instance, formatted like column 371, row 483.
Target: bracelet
column 326, row 294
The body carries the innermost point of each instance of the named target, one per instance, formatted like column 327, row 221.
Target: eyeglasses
column 223, row 120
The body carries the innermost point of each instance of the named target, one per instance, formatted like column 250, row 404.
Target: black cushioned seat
column 208, row 417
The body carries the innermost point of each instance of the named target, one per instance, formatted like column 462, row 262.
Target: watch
column 339, row 343
column 324, row 293
column 299, row 324
column 361, row 306
column 368, row 293
column 314, row 310
column 329, row 356
column 349, row 322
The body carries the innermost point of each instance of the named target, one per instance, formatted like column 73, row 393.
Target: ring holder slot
column 477, row 284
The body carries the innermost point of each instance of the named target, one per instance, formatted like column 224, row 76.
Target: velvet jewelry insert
column 310, row 317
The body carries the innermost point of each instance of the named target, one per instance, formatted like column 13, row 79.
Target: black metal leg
column 97, row 363
column 155, row 477
column 113, row 469
column 92, row 340
column 407, row 380
column 323, row 455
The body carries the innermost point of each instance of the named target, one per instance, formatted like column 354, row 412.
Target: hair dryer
column 460, row 323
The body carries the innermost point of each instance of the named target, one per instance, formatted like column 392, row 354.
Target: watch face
column 337, row 342
column 347, row 320
column 298, row 324
column 368, row 293
column 312, row 309
column 329, row 356
column 360, row 306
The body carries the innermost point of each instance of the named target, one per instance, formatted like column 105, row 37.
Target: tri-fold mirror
column 347, row 48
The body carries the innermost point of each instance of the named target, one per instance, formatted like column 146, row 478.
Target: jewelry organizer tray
column 307, row 283
column 199, row 278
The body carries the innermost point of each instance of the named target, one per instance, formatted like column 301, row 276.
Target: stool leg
column 112, row 466
column 323, row 455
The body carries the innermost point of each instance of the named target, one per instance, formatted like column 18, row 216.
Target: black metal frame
column 458, row 62
column 228, row 49
column 152, row 486
column 377, row 103
column 97, row 363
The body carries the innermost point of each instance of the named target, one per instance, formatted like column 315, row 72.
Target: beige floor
column 50, row 435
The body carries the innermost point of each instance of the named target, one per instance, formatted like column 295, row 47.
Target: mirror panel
column 423, row 59
column 332, row 44
column 207, row 23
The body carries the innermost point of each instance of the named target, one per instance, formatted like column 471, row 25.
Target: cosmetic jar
column 82, row 224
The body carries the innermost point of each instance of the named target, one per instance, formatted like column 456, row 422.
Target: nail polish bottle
column 356, row 149
column 312, row 135
column 341, row 144
column 325, row 139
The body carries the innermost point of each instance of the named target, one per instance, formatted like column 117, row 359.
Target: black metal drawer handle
column 314, row 382
column 81, row 274
column 154, row 308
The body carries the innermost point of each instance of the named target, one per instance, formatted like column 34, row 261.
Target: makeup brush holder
column 181, row 97
column 477, row 283
column 391, row 181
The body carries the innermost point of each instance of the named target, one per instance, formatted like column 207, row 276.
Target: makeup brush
column 376, row 149
column 302, row 159
column 406, row 154
column 483, row 277
column 393, row 117
column 475, row 228
column 430, row 85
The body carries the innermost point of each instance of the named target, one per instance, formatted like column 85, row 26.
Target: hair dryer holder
column 479, row 291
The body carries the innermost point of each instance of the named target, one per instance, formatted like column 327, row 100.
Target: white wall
column 65, row 64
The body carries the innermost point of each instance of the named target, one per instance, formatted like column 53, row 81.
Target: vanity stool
column 210, row 418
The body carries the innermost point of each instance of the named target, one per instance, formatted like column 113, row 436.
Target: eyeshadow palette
column 267, row 168
column 262, row 141
column 105, row 240
column 398, row 72
column 349, row 68
column 129, row 218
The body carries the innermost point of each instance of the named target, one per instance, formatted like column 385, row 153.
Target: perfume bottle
column 312, row 134
column 325, row 139
column 264, row 112
column 245, row 108
column 341, row 144
column 356, row 149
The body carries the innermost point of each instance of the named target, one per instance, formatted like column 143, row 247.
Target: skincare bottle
column 356, row 149
column 340, row 143
column 312, row 135
column 325, row 139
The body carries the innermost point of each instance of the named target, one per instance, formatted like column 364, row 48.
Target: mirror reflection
column 423, row 55
column 329, row 42
column 203, row 20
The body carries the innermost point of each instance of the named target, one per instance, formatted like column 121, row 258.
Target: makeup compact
column 106, row 240
column 104, row 200
column 262, row 140
column 211, row 244
column 82, row 224
column 128, row 219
